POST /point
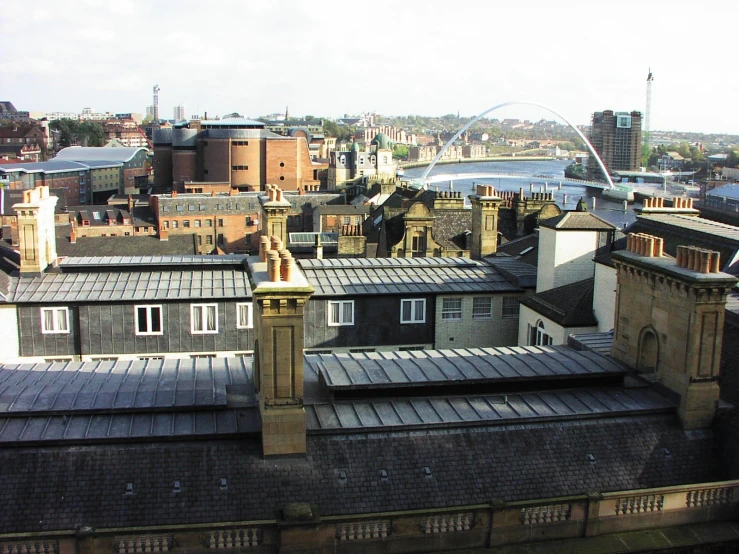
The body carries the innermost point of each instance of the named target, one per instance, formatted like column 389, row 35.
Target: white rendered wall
column 564, row 257
column 9, row 345
column 604, row 297
column 558, row 333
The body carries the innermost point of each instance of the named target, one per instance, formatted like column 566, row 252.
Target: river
column 553, row 170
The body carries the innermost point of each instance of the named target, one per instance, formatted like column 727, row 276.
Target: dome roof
column 382, row 141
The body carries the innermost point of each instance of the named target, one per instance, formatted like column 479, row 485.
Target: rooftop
column 577, row 221
column 94, row 154
column 360, row 276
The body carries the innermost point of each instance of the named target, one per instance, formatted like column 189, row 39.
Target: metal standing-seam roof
column 133, row 286
column 443, row 367
column 99, row 153
column 362, row 276
column 139, row 261
column 112, row 401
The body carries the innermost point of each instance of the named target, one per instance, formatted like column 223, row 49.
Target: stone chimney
column 280, row 294
column 485, row 206
column 670, row 320
column 36, row 232
column 274, row 213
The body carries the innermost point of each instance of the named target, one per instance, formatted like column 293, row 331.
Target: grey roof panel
column 373, row 415
column 141, row 261
column 367, row 276
column 442, row 367
column 133, row 286
column 119, row 386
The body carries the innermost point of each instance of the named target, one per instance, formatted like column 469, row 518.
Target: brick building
column 235, row 150
column 617, row 139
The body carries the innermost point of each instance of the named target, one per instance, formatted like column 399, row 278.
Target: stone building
column 357, row 162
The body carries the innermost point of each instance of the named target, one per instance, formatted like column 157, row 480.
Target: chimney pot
column 715, row 262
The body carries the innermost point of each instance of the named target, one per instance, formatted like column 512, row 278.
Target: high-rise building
column 616, row 136
column 179, row 113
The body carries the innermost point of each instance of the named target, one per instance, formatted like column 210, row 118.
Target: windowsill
column 149, row 334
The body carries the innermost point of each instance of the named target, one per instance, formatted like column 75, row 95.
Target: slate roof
column 577, row 221
column 123, row 246
column 14, row 196
column 597, row 342
column 63, row 488
column 525, row 248
column 361, row 276
column 569, row 306
column 449, row 227
column 111, row 286
column 518, row 272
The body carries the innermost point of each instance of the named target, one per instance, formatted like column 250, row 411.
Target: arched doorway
column 648, row 356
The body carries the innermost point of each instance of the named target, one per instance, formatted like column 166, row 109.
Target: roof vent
column 383, row 475
column 342, row 476
column 666, row 452
column 426, row 471
column 591, row 458
column 129, row 489
column 223, row 483
column 177, row 488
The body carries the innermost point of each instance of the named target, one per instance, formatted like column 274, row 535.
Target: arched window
column 539, row 336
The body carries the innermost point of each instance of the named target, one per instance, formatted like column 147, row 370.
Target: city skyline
column 255, row 59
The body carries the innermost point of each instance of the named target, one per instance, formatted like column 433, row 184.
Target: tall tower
column 650, row 78
column 156, row 102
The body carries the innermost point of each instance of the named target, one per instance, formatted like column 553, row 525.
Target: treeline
column 84, row 133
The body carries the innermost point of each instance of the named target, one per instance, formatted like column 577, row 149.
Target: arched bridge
column 550, row 179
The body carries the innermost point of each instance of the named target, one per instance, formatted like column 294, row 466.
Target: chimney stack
column 280, row 293
column 36, row 230
column 669, row 321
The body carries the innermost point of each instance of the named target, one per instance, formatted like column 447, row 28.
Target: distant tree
column 400, row 151
column 732, row 159
column 71, row 131
column 340, row 132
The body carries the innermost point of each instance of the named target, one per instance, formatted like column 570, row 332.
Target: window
column 203, row 318
column 54, row 320
column 186, row 224
column 197, row 223
column 208, row 223
column 220, row 223
column 180, row 208
column 346, row 220
column 341, row 312
column 190, row 208
column 451, row 308
column 482, row 308
column 510, row 307
column 148, row 320
column 209, row 239
column 174, row 224
column 244, row 316
column 538, row 336
column 413, row 310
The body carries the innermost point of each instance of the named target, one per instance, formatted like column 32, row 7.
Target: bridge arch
column 514, row 103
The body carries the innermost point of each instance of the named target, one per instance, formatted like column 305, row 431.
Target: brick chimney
column 36, row 232
column 485, row 206
column 670, row 320
column 280, row 294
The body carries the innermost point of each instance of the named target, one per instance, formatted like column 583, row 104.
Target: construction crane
column 650, row 78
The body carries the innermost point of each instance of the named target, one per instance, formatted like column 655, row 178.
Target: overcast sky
column 405, row 57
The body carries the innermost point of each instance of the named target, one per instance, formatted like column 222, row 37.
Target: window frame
column 413, row 301
column 148, row 308
column 249, row 318
column 341, row 322
column 509, row 299
column 202, row 307
column 482, row 316
column 449, row 314
column 55, row 321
